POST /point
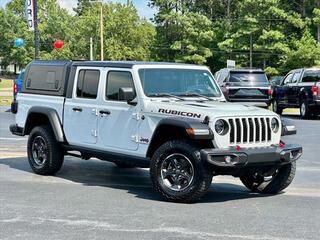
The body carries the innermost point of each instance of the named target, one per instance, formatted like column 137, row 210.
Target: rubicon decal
column 180, row 113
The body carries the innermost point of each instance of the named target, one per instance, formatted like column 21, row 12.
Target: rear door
column 248, row 86
column 81, row 111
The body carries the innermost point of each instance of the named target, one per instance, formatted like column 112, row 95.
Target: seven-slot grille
column 250, row 130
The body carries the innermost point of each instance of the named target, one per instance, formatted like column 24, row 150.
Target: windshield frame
column 179, row 67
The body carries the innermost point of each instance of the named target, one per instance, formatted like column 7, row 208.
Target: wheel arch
column 43, row 115
column 179, row 128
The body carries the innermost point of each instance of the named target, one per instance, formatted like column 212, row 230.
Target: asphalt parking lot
column 96, row 200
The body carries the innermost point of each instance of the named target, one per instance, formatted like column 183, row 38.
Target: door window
column 88, row 82
column 117, row 80
column 287, row 80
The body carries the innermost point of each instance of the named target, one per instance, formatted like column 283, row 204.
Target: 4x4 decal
column 180, row 113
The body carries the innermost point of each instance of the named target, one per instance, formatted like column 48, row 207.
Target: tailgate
column 248, row 93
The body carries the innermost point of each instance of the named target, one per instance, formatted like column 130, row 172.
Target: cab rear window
column 311, row 76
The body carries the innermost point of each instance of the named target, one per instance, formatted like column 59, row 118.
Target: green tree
column 304, row 53
column 82, row 6
column 182, row 35
column 126, row 35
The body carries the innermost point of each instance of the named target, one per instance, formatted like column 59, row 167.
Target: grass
column 291, row 110
column 5, row 100
column 5, row 84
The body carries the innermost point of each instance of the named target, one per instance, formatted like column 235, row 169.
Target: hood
column 197, row 110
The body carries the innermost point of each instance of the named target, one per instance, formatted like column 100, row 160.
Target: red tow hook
column 282, row 144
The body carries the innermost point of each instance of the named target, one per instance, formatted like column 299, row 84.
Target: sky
column 141, row 6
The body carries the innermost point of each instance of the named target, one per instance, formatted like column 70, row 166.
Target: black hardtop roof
column 119, row 64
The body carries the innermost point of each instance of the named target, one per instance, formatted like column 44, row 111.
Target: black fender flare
column 194, row 130
column 53, row 118
column 201, row 130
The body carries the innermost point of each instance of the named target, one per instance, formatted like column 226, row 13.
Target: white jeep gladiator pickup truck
column 171, row 118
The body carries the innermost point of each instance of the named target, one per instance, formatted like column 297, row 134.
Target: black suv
column 250, row 86
column 299, row 88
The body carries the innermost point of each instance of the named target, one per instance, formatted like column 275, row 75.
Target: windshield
column 179, row 82
column 243, row 77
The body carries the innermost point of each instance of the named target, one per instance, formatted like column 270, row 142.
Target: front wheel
column 276, row 108
column 178, row 173
column 44, row 153
column 272, row 184
column 305, row 112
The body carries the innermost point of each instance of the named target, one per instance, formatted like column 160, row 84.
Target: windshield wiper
column 199, row 95
column 166, row 95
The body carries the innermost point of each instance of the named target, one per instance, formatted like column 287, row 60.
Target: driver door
column 283, row 90
column 118, row 121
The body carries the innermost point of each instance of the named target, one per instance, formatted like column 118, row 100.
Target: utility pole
column 228, row 9
column 36, row 31
column 318, row 6
column 101, row 32
column 91, row 49
column 101, row 29
column 251, row 50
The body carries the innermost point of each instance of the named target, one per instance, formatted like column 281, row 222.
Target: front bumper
column 16, row 130
column 247, row 157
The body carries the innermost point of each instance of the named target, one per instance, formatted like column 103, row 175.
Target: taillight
column 315, row 90
column 15, row 88
column 270, row 91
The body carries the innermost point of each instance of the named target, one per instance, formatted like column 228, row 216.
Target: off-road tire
column 54, row 151
column 276, row 108
column 305, row 114
column 278, row 183
column 202, row 174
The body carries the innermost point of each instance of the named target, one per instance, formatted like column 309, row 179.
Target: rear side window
column 45, row 78
column 311, row 76
column 295, row 78
column 117, row 80
column 243, row 77
column 88, row 83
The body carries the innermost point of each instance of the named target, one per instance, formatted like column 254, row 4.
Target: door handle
column 77, row 109
column 104, row 112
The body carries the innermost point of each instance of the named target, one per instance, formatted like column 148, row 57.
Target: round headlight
column 274, row 125
column 221, row 127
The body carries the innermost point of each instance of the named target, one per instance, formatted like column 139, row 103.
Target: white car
column 172, row 118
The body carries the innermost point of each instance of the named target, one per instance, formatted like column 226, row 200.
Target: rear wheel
column 276, row 108
column 270, row 183
column 305, row 112
column 45, row 155
column 178, row 173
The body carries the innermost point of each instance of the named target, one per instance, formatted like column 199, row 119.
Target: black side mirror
column 288, row 128
column 126, row 94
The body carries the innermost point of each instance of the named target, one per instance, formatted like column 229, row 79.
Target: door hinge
column 94, row 112
column 137, row 116
column 135, row 138
column 94, row 133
